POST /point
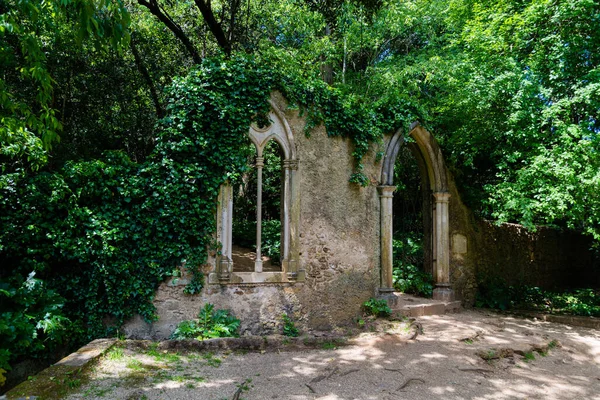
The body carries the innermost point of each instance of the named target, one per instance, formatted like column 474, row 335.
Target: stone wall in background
column 547, row 258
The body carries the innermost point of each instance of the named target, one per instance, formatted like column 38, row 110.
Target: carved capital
column 290, row 164
column 386, row 191
column 442, row 197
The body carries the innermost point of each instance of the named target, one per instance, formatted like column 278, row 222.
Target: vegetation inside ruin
column 119, row 121
column 409, row 231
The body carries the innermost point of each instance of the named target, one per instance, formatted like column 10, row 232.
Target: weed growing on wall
column 289, row 328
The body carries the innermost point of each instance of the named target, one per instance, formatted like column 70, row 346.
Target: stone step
column 412, row 306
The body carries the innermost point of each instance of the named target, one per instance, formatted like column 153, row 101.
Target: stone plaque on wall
column 459, row 244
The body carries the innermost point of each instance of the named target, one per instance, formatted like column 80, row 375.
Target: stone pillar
column 259, row 166
column 386, row 197
column 293, row 202
column 224, row 263
column 441, row 272
column 287, row 265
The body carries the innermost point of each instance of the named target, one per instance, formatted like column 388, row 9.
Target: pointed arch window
column 277, row 136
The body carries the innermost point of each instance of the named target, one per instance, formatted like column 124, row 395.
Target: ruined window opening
column 276, row 137
column 250, row 239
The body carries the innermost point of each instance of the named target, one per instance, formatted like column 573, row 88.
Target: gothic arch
column 280, row 131
column 432, row 166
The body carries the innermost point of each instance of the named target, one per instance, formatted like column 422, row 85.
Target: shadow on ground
column 471, row 355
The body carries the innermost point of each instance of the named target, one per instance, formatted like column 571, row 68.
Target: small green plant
column 135, row 365
column 289, row 328
column 211, row 360
column 116, row 353
column 72, row 383
column 328, row 346
column 211, row 324
column 529, row 356
column 378, row 308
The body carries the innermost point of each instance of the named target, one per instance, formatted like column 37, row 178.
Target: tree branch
column 144, row 71
column 213, row 25
column 154, row 8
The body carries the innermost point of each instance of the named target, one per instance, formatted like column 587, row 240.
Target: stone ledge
column 437, row 308
column 54, row 380
column 255, row 343
column 411, row 306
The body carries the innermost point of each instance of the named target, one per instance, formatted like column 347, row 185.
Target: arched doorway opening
column 411, row 224
column 435, row 200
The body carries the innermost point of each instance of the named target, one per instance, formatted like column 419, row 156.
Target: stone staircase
column 411, row 306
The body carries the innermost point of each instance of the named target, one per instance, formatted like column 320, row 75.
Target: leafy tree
column 28, row 121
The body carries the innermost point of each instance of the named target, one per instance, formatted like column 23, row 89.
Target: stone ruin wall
column 339, row 251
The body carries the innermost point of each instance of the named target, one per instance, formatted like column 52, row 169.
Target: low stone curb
column 574, row 320
column 56, row 380
column 252, row 343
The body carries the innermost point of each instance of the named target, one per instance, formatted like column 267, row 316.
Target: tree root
column 408, row 381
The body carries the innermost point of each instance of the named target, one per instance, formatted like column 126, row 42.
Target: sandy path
column 444, row 362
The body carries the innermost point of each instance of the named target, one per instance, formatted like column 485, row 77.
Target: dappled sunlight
column 441, row 390
column 442, row 363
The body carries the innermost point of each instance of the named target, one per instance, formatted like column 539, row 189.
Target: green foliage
column 408, row 273
column 377, row 307
column 31, row 320
column 496, row 294
column 106, row 232
column 211, row 324
column 289, row 328
column 28, row 120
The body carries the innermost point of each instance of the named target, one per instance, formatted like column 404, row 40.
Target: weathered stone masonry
column 337, row 238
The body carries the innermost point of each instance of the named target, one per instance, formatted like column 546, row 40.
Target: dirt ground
column 470, row 355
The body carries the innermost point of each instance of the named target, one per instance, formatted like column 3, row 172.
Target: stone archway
column 434, row 172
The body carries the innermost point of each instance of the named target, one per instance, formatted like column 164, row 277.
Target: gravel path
column 470, row 355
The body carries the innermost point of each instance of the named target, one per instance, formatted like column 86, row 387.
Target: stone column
column 293, row 202
column 386, row 196
column 441, row 272
column 224, row 263
column 259, row 166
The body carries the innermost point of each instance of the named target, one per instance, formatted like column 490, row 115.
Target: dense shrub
column 497, row 294
column 31, row 320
